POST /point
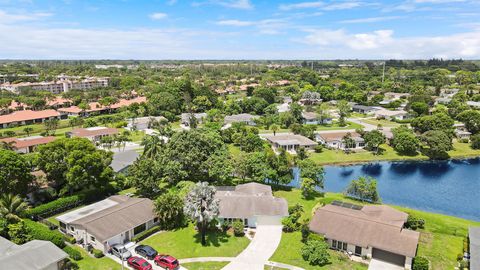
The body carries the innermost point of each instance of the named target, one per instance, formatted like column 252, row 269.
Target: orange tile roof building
column 28, row 117
column 27, row 144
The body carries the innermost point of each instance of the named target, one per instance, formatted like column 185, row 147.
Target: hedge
column 73, row 253
column 97, row 253
column 145, row 234
column 41, row 232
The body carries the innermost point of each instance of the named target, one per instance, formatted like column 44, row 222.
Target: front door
column 358, row 250
column 127, row 237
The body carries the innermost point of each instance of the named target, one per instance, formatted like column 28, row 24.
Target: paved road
column 256, row 255
column 366, row 126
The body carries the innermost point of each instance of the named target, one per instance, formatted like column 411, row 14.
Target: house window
column 344, row 246
column 139, row 229
column 334, row 243
column 72, row 228
column 155, row 220
column 92, row 238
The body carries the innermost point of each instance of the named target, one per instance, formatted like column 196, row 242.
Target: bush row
column 97, row 253
column 73, row 253
column 145, row 234
column 41, row 232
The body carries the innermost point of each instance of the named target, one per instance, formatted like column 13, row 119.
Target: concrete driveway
column 381, row 265
column 261, row 248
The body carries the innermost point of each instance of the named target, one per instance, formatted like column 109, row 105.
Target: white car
column 121, row 252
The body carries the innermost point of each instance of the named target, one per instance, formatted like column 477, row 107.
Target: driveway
column 261, row 248
column 381, row 265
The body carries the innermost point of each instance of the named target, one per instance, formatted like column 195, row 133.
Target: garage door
column 269, row 220
column 389, row 257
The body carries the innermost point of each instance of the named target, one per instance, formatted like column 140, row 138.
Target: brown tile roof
column 248, row 200
column 377, row 226
column 93, row 131
column 126, row 215
column 29, row 141
column 26, row 115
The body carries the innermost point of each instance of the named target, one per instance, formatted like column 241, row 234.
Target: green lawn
column 461, row 150
column 91, row 263
column 205, row 265
column 185, row 243
column 440, row 241
column 383, row 122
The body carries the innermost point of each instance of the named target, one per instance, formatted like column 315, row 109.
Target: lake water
column 449, row 187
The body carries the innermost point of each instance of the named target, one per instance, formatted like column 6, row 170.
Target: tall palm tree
column 152, row 146
column 11, row 207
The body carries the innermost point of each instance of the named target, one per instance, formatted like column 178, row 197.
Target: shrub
column 291, row 223
column 70, row 239
column 54, row 207
column 145, row 234
column 459, row 257
column 238, row 227
column 464, row 140
column 41, row 232
column 73, row 253
column 414, row 223
column 69, row 265
column 420, row 263
column 315, row 237
column 305, row 230
column 226, row 225
column 316, row 253
column 97, row 253
column 318, row 148
column 475, row 141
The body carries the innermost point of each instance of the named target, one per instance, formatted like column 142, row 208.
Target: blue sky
column 239, row 29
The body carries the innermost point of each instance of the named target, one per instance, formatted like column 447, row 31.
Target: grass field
column 205, row 265
column 185, row 243
column 91, row 263
column 461, row 150
column 440, row 241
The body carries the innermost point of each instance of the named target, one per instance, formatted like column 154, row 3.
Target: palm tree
column 152, row 146
column 7, row 145
column 274, row 128
column 11, row 207
column 27, row 130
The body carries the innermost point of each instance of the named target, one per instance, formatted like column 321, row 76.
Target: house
column 94, row 134
column 311, row 118
column 143, row 123
column 185, row 117
column 443, row 100
column 28, row 144
column 392, row 115
column 253, row 203
column 396, row 96
column 122, row 160
column 363, row 109
column 96, row 107
column 284, row 107
column 372, row 231
column 28, row 117
column 474, row 247
column 33, row 255
column 474, row 104
column 335, row 139
column 289, row 142
column 241, row 118
column 461, row 132
column 112, row 221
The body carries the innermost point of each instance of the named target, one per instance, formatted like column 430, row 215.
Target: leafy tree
column 296, row 112
column 274, row 128
column 420, row 263
column 268, row 94
column 475, row 141
column 74, row 164
column 302, row 153
column 312, row 176
column 147, row 176
column 364, row 189
column 373, row 139
column 322, row 111
column 12, row 207
column 307, row 187
column 420, row 108
column 316, row 252
column 18, row 233
column 344, row 111
column 437, row 121
column 436, row 144
column 51, row 126
column 202, row 207
column 471, row 118
column 152, row 146
column 28, row 130
column 169, row 210
column 348, row 141
column 405, row 142
column 14, row 173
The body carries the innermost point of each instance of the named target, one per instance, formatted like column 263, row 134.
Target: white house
column 335, row 139
column 311, row 118
column 241, row 118
column 94, row 134
column 143, row 123
column 253, row 203
column 372, row 231
column 114, row 220
column 33, row 255
column 290, row 142
column 392, row 115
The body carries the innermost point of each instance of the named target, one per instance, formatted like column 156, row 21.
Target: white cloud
column 171, row 2
column 158, row 16
column 371, row 19
column 22, row 17
column 301, row 5
column 235, row 23
column 267, row 26
column 238, row 4
column 344, row 5
column 383, row 44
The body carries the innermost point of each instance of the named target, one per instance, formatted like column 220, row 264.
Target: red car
column 138, row 263
column 167, row 262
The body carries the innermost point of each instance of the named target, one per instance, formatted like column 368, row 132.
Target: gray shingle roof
column 34, row 255
column 122, row 160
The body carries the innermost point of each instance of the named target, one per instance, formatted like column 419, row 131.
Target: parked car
column 166, row 261
column 146, row 251
column 138, row 263
column 121, row 252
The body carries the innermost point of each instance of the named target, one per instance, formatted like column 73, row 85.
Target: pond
column 448, row 187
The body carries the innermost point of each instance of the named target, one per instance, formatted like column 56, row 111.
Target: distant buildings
column 64, row 84
column 186, row 118
column 335, row 139
column 33, row 255
column 96, row 107
column 94, row 134
column 142, row 123
column 246, row 118
column 311, row 118
column 28, row 144
column 363, row 109
column 289, row 142
column 28, row 117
